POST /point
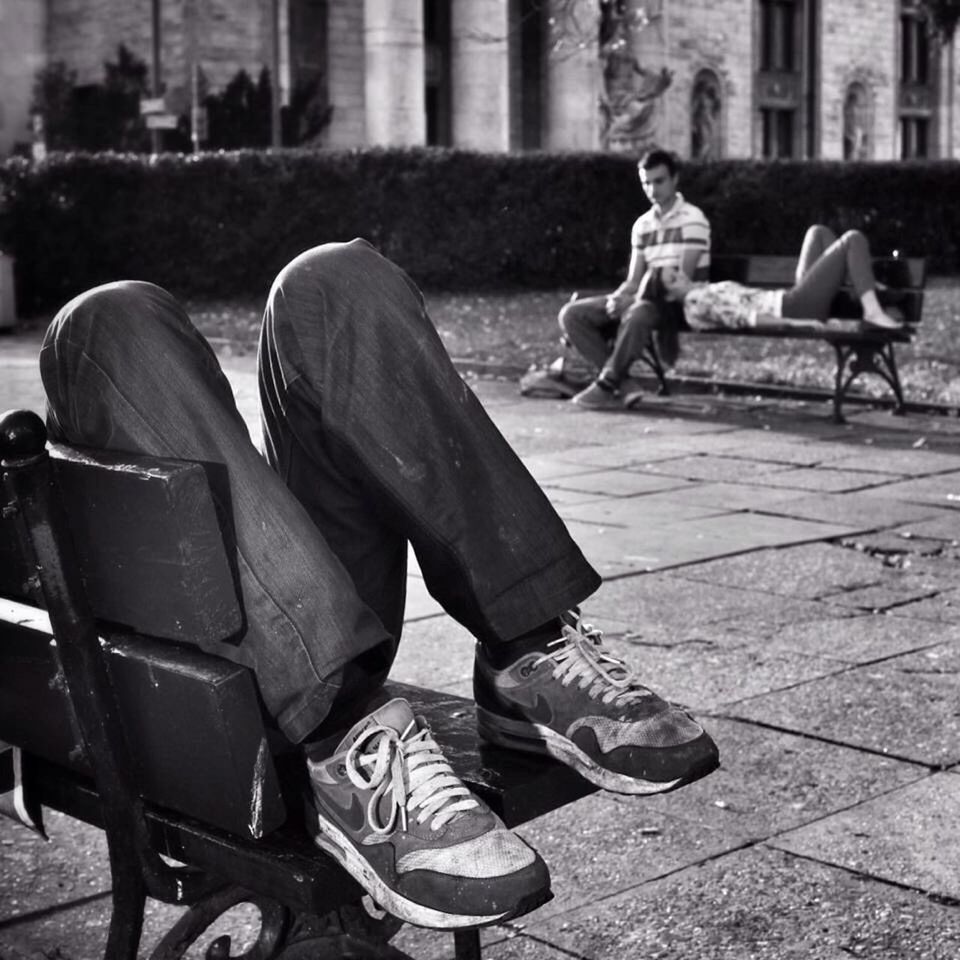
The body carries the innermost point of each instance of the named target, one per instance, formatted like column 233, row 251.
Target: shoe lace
column 411, row 769
column 580, row 657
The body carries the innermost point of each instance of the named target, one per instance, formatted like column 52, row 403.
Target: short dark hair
column 660, row 158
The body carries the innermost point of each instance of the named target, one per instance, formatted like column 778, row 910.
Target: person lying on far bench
column 373, row 441
column 826, row 264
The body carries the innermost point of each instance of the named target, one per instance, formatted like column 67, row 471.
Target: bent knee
column 112, row 308
column 331, row 264
column 642, row 313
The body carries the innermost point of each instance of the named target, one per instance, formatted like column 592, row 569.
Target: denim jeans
column 372, row 441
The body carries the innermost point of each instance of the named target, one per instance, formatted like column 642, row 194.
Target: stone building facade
column 708, row 78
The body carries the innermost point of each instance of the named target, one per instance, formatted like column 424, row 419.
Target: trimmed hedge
column 223, row 224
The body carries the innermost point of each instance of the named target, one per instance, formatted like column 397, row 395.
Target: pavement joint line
column 6, row 924
column 665, row 875
column 931, row 768
column 543, row 941
column 943, row 899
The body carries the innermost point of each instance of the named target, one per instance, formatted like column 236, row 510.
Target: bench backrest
column 904, row 278
column 156, row 559
column 150, row 541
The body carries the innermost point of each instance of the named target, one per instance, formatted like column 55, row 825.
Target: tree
column 944, row 15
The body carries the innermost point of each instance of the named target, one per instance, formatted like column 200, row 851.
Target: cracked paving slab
column 907, row 836
column 907, row 707
column 756, row 904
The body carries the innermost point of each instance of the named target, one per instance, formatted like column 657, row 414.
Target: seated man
column 373, row 441
column 671, row 234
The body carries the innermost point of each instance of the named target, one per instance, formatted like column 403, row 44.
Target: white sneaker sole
column 331, row 838
column 537, row 738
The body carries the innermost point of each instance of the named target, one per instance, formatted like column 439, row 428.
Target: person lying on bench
column 373, row 442
column 826, row 264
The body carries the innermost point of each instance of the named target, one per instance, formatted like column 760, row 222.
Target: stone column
column 572, row 84
column 394, row 81
column 480, row 74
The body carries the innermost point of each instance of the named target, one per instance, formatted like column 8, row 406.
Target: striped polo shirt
column 663, row 239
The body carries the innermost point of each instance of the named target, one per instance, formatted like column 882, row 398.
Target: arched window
column 857, row 132
column 706, row 109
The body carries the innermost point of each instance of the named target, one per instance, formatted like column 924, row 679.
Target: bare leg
column 816, row 240
column 845, row 259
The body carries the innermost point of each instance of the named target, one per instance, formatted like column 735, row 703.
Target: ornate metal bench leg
column 466, row 944
column 652, row 359
column 894, row 379
column 839, row 387
column 275, row 922
column 126, row 918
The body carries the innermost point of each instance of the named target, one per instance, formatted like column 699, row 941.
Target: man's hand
column 617, row 302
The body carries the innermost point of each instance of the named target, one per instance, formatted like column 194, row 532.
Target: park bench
column 113, row 569
column 858, row 348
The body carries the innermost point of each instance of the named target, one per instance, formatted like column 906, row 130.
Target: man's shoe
column 390, row 809
column 595, row 397
column 631, row 393
column 577, row 703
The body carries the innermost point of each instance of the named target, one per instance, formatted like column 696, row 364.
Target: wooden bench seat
column 120, row 720
column 858, row 348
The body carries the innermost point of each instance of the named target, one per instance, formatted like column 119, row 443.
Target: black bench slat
column 286, row 865
column 150, row 544
column 193, row 722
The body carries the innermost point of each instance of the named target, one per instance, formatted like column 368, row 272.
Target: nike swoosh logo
column 353, row 816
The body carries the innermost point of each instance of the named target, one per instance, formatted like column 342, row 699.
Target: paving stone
column 36, row 875
column 654, row 544
column 726, row 496
column 944, row 526
column 911, row 462
column 825, row 479
column 706, row 676
column 801, row 781
column 847, row 636
column 906, row 707
column 777, row 449
column 646, row 842
column 942, row 608
column 756, row 904
column 907, row 836
column 810, row 570
column 884, row 596
column 620, row 483
column 705, row 467
column 942, row 490
column 638, row 514
column 662, row 609
column 897, row 541
column 855, row 509
column 564, row 498
column 419, row 602
column 434, row 653
column 649, row 446
column 548, row 467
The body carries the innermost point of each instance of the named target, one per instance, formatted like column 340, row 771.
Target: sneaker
column 595, row 397
column 631, row 393
column 582, row 706
column 390, row 809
